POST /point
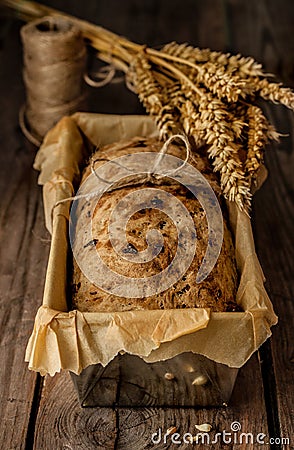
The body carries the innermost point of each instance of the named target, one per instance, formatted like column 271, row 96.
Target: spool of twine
column 54, row 66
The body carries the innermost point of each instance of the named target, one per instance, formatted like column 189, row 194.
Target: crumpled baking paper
column 73, row 340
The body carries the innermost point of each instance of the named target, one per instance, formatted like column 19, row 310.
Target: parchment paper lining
column 73, row 340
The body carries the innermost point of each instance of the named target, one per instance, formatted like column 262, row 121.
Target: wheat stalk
column 210, row 96
column 260, row 132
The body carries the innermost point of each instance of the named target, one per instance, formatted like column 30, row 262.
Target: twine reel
column 54, row 66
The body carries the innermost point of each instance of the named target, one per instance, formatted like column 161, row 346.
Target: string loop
column 137, row 178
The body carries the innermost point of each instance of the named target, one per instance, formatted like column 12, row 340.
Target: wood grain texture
column 63, row 424
column 275, row 246
column 22, row 255
column 262, row 29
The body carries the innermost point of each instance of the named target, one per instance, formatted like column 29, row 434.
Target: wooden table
column 43, row 413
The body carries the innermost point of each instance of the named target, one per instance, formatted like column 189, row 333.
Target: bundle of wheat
column 210, row 96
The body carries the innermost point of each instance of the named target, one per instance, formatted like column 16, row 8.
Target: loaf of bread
column 217, row 291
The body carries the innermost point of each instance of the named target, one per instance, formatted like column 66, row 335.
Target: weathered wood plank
column 21, row 289
column 262, row 29
column 22, row 253
column 63, row 424
column 275, row 245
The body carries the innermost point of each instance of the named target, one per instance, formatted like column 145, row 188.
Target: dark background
column 259, row 28
column 262, row 29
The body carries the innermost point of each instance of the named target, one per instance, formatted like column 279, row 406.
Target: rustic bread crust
column 217, row 291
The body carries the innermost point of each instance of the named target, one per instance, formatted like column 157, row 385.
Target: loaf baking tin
column 194, row 364
column 184, row 380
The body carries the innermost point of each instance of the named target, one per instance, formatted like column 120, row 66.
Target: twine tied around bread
column 134, row 179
